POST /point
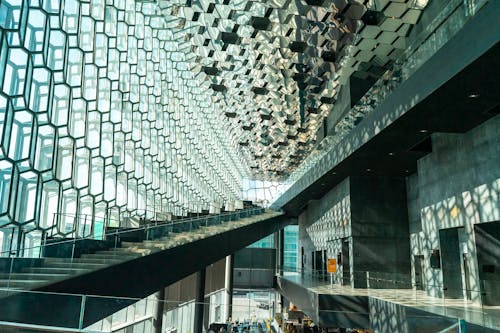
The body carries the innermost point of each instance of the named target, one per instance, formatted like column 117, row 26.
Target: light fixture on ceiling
column 473, row 94
column 424, row 131
column 368, row 170
column 391, row 154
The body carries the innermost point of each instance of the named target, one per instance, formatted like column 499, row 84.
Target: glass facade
column 266, row 243
column 291, row 234
column 290, row 247
column 117, row 109
column 101, row 119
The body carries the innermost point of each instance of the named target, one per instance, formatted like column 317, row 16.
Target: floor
column 488, row 316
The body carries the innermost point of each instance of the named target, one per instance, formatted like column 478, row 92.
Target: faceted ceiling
column 274, row 68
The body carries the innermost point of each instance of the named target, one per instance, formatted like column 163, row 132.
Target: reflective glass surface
column 101, row 118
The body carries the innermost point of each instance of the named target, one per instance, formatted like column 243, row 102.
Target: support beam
column 229, row 286
column 282, row 249
column 277, row 247
column 160, row 301
column 199, row 301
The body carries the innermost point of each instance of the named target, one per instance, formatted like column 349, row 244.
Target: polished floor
column 488, row 316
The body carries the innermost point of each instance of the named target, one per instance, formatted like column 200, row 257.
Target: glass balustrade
column 56, row 259
column 470, row 304
column 90, row 313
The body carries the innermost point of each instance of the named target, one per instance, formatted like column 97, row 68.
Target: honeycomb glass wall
column 101, row 118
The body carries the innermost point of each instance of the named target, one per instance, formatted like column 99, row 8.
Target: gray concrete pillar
column 199, row 300
column 228, row 284
column 158, row 319
column 282, row 249
column 277, row 247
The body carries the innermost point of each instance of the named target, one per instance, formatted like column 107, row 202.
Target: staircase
column 95, row 285
column 52, row 270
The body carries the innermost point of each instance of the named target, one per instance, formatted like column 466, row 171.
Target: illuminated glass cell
column 100, row 119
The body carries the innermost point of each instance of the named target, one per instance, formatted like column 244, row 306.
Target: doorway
column 318, row 264
column 346, row 266
column 451, row 262
column 487, row 237
column 419, row 271
column 302, row 259
column 325, row 264
column 466, row 274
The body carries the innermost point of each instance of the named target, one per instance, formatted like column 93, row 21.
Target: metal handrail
column 107, row 219
column 461, row 325
column 313, row 274
column 147, row 227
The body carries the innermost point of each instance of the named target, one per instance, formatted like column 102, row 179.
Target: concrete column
column 282, row 249
column 277, row 247
column 228, row 284
column 158, row 319
column 200, row 298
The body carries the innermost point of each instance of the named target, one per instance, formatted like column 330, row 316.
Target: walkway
column 488, row 316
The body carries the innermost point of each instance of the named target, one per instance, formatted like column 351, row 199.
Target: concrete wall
column 488, row 258
column 185, row 290
column 254, row 268
column 324, row 223
column 369, row 212
column 380, row 230
column 457, row 185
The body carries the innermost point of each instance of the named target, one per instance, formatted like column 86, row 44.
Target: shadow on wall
column 465, row 210
column 488, row 258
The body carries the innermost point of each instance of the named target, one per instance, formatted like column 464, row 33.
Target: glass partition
column 54, row 260
column 395, row 288
column 251, row 313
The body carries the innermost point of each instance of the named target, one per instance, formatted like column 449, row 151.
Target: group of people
column 304, row 328
column 236, row 327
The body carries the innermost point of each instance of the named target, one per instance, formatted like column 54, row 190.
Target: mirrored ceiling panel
column 274, row 68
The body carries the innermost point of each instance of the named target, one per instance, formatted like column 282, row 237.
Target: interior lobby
column 250, row 166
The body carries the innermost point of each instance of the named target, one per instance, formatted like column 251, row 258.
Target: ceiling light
column 368, row 170
column 473, row 95
column 391, row 154
column 423, row 131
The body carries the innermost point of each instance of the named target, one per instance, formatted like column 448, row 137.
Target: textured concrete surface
column 457, row 185
column 371, row 214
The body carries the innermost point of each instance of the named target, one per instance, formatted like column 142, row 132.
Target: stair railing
column 147, row 229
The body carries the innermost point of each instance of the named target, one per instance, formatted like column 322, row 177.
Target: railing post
column 11, row 271
column 19, row 242
column 462, row 326
column 104, row 227
column 82, row 312
column 11, row 242
column 92, row 221
column 76, row 226
column 44, row 242
column 73, row 249
column 84, row 225
column 54, row 224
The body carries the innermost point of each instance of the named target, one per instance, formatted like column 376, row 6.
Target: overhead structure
column 115, row 111
column 274, row 68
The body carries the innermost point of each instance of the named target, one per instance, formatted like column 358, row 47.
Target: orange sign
column 332, row 266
